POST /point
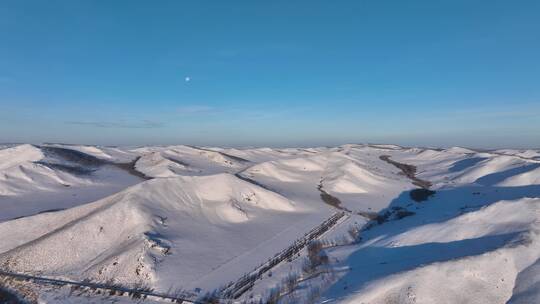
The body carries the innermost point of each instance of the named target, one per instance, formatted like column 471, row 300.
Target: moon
column 187, row 79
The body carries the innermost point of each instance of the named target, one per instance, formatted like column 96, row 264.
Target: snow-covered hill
column 175, row 231
column 198, row 218
column 37, row 179
column 185, row 160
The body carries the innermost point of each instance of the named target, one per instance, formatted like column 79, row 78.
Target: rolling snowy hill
column 198, row 219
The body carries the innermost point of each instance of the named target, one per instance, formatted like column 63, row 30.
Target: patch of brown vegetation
column 407, row 170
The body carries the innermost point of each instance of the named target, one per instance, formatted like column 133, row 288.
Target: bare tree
column 354, row 232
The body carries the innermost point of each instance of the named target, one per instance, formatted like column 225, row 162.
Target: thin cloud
column 190, row 110
column 145, row 124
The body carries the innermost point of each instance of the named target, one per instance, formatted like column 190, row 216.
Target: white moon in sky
column 187, row 79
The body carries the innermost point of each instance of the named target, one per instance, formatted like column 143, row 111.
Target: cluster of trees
column 286, row 288
column 316, row 257
column 284, row 292
column 248, row 280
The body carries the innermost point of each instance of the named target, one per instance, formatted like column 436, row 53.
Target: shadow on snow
column 371, row 262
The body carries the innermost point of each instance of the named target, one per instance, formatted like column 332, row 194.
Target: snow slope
column 35, row 179
column 112, row 154
column 211, row 214
column 472, row 258
column 476, row 241
column 362, row 182
column 527, row 285
column 19, row 164
column 167, row 232
column 185, row 160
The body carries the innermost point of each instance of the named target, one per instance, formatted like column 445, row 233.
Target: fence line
column 116, row 289
column 235, row 290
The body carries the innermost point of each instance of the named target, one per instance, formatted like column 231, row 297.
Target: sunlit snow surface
column 198, row 218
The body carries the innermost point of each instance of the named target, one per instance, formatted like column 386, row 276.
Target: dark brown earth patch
column 420, row 195
column 330, row 199
column 407, row 170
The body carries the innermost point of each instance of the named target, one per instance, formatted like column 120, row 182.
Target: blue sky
column 271, row 73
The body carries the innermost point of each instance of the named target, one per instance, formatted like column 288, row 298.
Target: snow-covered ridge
column 208, row 215
column 34, row 179
column 122, row 235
